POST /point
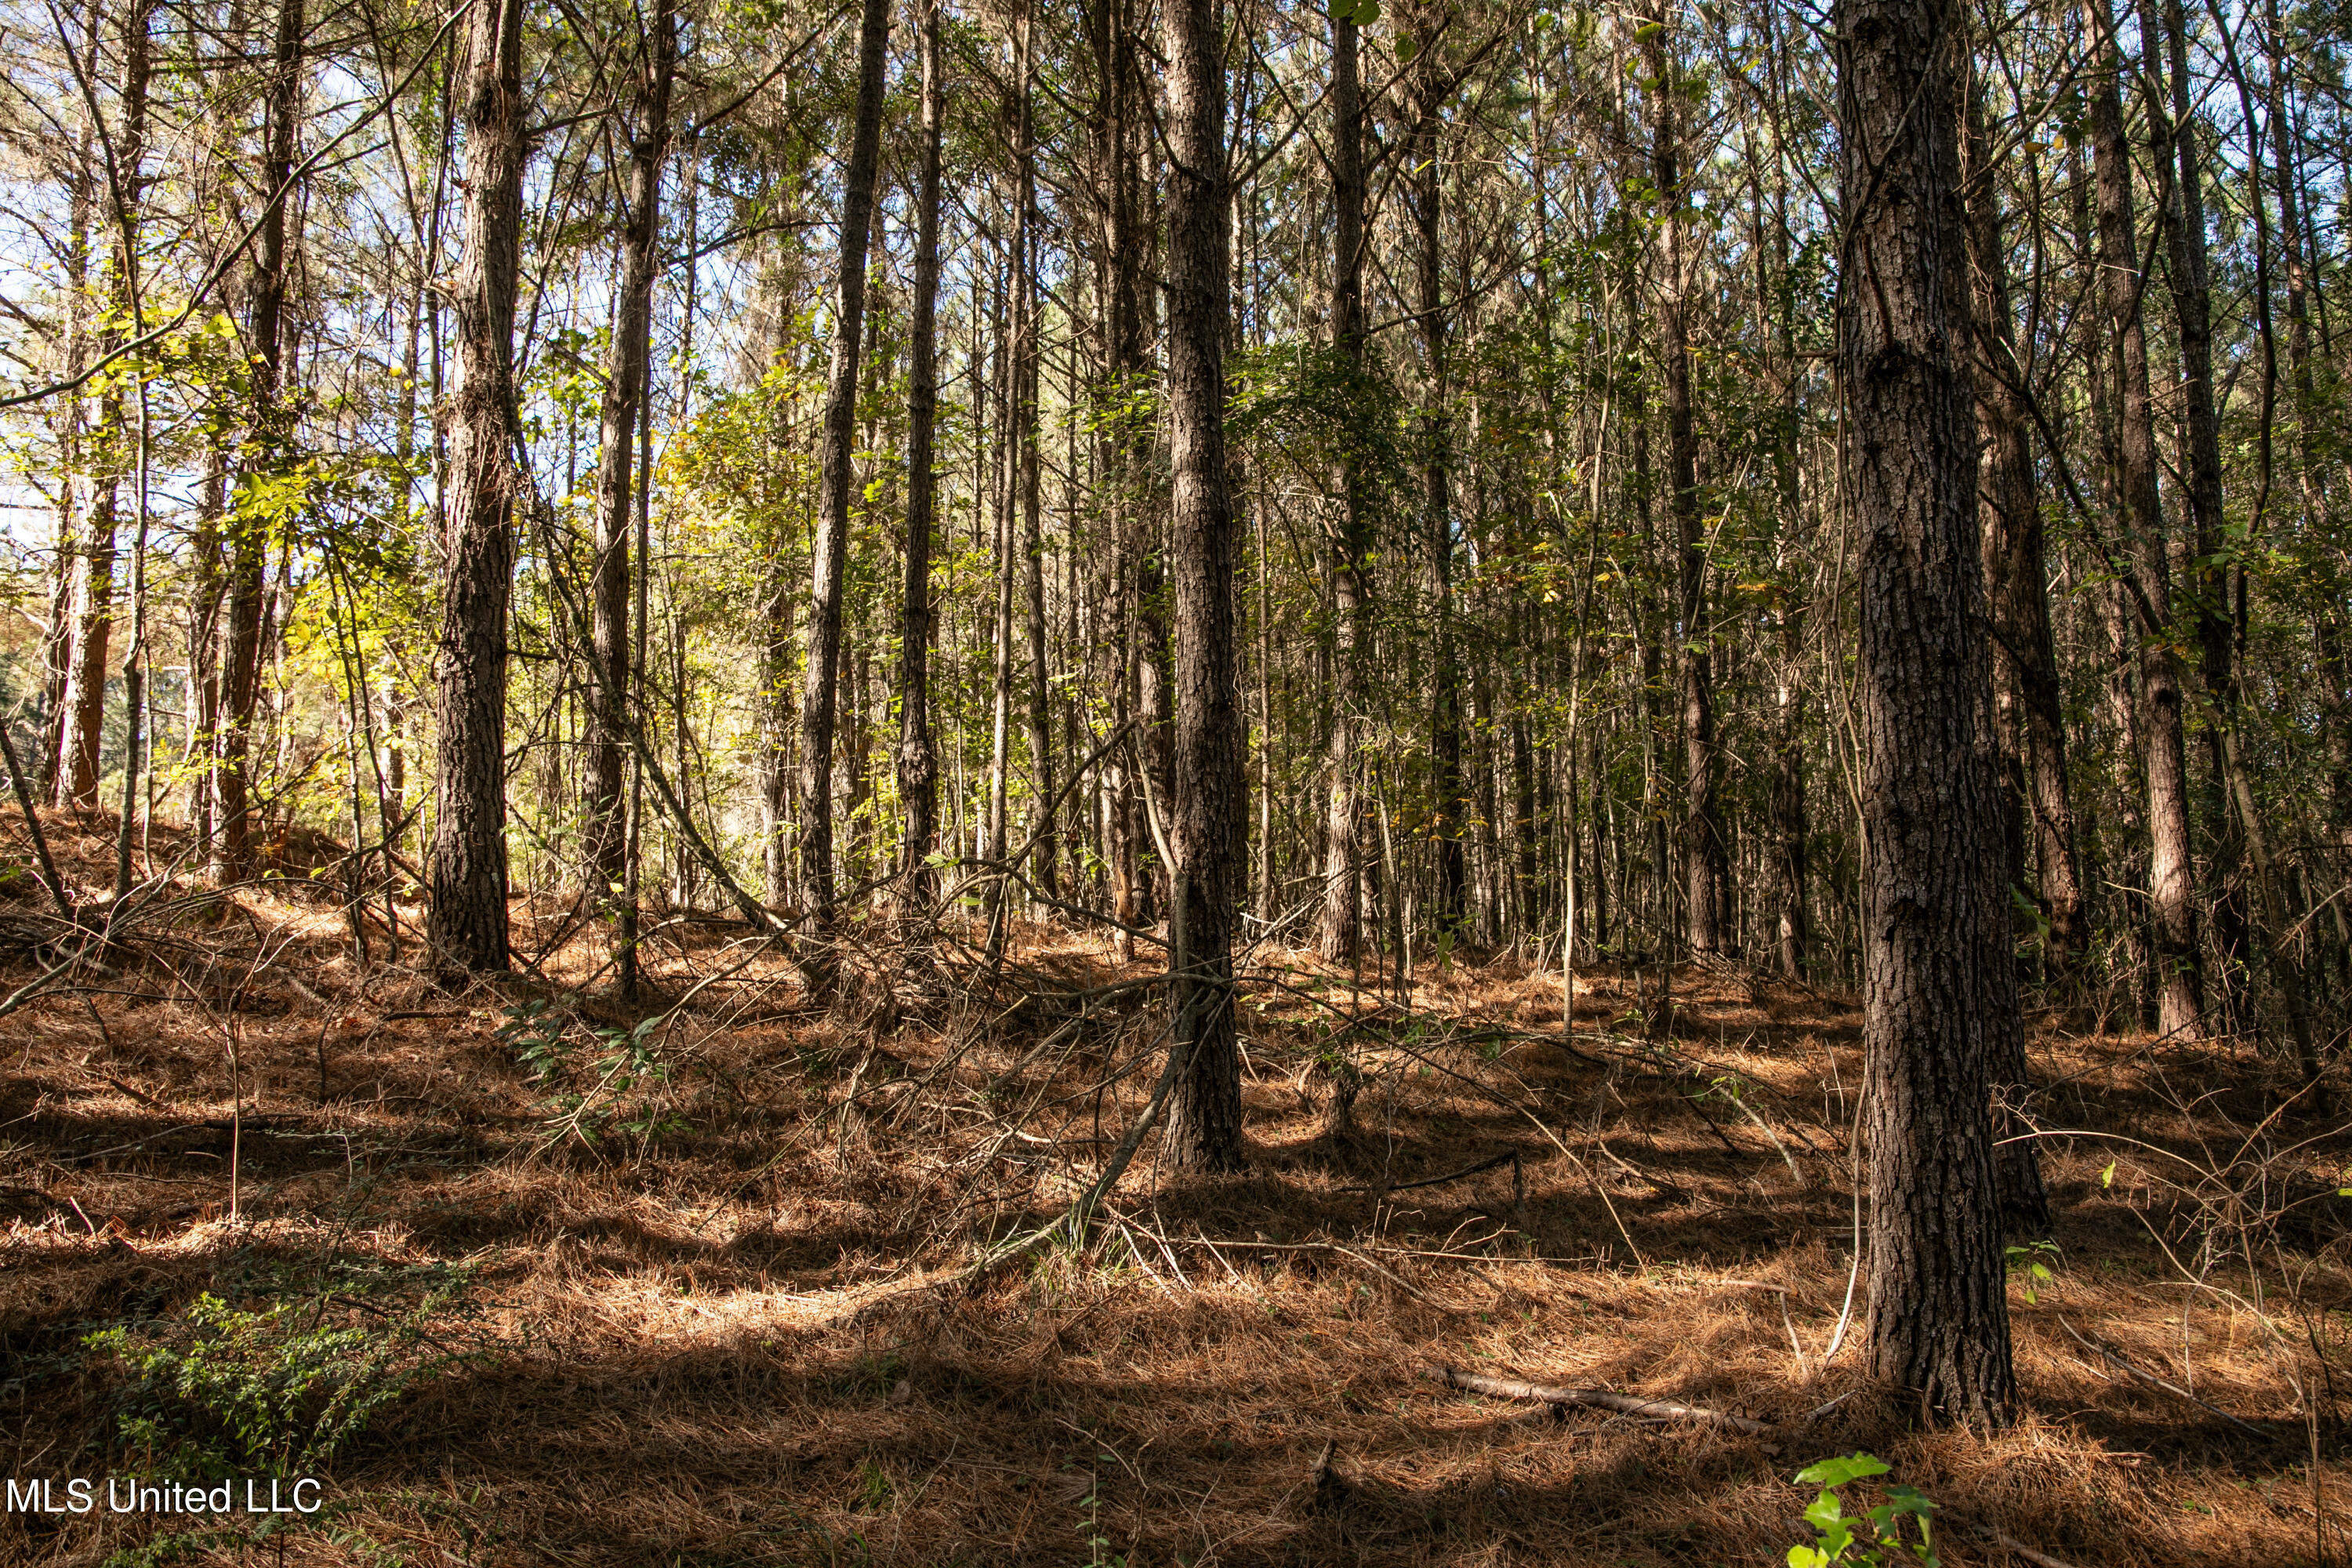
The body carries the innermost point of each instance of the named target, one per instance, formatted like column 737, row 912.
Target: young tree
column 272, row 446
column 2180, row 992
column 1345, row 541
column 1704, row 873
column 1933, row 935
column 625, row 366
column 919, row 779
column 829, row 552
column 91, row 619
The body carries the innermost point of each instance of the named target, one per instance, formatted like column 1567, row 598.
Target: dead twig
column 1596, row 1398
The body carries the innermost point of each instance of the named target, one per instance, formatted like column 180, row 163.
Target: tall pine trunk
column 617, row 480
column 240, row 678
column 1426, row 85
column 2180, row 992
column 2008, row 519
column 1705, row 913
column 918, row 762
column 91, row 619
column 1209, row 832
column 829, row 552
column 1932, row 937
column 1338, row 929
column 465, row 866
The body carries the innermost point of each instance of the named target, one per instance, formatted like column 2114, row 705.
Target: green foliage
column 1872, row 1538
column 2028, row 1260
column 281, row 1389
column 875, row 1490
column 591, row 1071
column 1098, row 1553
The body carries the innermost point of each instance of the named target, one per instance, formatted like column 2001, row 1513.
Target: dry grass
column 720, row 1347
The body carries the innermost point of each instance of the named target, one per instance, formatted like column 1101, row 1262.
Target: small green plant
column 1098, row 1553
column 2028, row 1260
column 1870, row 1539
column 588, row 1083
column 875, row 1490
column 279, row 1389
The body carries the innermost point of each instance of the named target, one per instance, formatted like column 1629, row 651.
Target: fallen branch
column 1504, row 1158
column 1597, row 1398
column 2040, row 1559
column 2119, row 1359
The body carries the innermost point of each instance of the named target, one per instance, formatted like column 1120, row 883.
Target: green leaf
column 1837, row 1472
column 2107, row 1176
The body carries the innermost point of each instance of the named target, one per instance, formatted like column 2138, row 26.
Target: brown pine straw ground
column 725, row 1346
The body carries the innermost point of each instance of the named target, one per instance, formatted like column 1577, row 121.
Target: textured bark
column 1338, row 929
column 2181, row 1006
column 465, row 866
column 1939, row 1316
column 1705, row 906
column 918, row 764
column 829, row 552
column 616, row 479
column 1210, row 825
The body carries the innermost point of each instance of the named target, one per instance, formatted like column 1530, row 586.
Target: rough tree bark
column 466, row 866
column 1210, row 828
column 1939, row 1316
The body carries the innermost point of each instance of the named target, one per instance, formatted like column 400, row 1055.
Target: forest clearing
column 747, row 1331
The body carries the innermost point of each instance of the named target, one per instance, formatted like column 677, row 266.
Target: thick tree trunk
column 624, row 387
column 1209, row 833
column 829, row 552
column 2180, row 1005
column 1338, row 929
column 918, row 777
column 1939, row 1314
column 1705, row 911
column 465, row 867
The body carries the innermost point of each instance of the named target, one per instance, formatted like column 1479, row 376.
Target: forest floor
column 583, row 1292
